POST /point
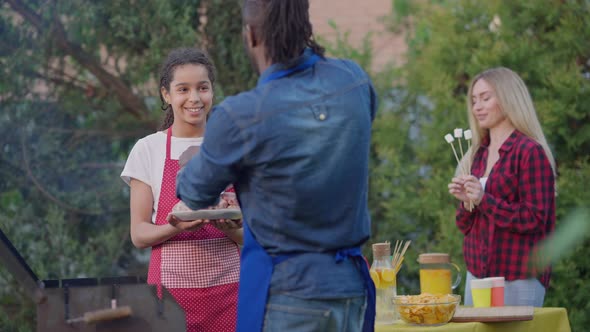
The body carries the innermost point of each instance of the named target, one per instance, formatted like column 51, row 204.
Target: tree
column 78, row 88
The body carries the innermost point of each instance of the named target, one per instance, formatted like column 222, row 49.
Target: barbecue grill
column 94, row 304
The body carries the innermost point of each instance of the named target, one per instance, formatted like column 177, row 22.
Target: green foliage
column 449, row 42
column 13, row 318
column 78, row 87
column 341, row 47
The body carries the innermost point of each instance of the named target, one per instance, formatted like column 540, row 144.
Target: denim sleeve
column 357, row 70
column 374, row 101
column 207, row 174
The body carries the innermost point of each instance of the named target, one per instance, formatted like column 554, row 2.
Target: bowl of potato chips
column 426, row 309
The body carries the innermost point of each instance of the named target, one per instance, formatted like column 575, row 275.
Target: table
column 544, row 320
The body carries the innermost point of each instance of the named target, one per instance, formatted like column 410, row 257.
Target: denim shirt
column 296, row 150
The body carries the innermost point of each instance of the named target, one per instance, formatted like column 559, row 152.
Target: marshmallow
column 467, row 134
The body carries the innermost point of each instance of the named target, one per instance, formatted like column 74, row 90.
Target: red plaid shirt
column 516, row 212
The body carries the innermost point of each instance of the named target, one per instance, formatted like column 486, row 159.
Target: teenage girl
column 197, row 261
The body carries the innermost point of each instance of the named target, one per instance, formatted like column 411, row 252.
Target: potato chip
column 427, row 309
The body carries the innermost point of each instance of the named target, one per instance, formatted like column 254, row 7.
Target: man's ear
column 251, row 37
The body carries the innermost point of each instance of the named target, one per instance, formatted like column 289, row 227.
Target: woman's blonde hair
column 515, row 102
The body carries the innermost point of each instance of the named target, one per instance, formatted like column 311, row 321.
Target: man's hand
column 227, row 200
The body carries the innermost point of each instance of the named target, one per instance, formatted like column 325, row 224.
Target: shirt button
column 322, row 116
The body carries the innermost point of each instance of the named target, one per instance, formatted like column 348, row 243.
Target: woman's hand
column 466, row 188
column 457, row 189
column 473, row 189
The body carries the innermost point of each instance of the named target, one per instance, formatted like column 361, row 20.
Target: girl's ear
column 165, row 94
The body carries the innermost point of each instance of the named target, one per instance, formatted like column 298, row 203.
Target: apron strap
column 168, row 142
column 355, row 253
column 256, row 269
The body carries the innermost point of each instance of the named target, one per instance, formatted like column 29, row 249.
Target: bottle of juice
column 383, row 276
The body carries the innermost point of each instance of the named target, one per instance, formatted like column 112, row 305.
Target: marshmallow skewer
column 458, row 135
column 468, row 135
column 449, row 138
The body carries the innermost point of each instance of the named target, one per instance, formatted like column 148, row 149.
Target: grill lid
column 21, row 271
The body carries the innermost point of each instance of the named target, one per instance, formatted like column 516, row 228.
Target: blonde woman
column 511, row 187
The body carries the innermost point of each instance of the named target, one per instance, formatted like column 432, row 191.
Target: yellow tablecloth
column 544, row 320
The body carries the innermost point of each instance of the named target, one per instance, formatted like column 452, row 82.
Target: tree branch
column 130, row 102
column 44, row 191
column 102, row 165
column 97, row 132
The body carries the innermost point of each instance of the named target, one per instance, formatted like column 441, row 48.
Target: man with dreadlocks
column 296, row 148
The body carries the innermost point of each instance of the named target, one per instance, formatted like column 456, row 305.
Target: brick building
column 358, row 18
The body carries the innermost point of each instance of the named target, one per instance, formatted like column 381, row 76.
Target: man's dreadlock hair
column 283, row 26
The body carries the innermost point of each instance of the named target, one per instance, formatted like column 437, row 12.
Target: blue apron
column 257, row 266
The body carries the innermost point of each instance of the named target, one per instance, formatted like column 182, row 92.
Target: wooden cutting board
column 493, row 314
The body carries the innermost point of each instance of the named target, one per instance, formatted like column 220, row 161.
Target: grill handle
column 102, row 315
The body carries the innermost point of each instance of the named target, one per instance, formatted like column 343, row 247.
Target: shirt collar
column 307, row 53
column 508, row 143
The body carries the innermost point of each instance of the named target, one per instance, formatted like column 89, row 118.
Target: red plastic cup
column 497, row 291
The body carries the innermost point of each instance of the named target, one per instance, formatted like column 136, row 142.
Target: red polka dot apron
column 200, row 269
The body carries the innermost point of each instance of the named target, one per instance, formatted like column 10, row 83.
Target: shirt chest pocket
column 320, row 112
column 506, row 187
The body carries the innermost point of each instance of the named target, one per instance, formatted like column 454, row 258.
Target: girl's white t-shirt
column 146, row 161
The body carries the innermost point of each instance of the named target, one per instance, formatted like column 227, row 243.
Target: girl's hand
column 226, row 224
column 187, row 226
